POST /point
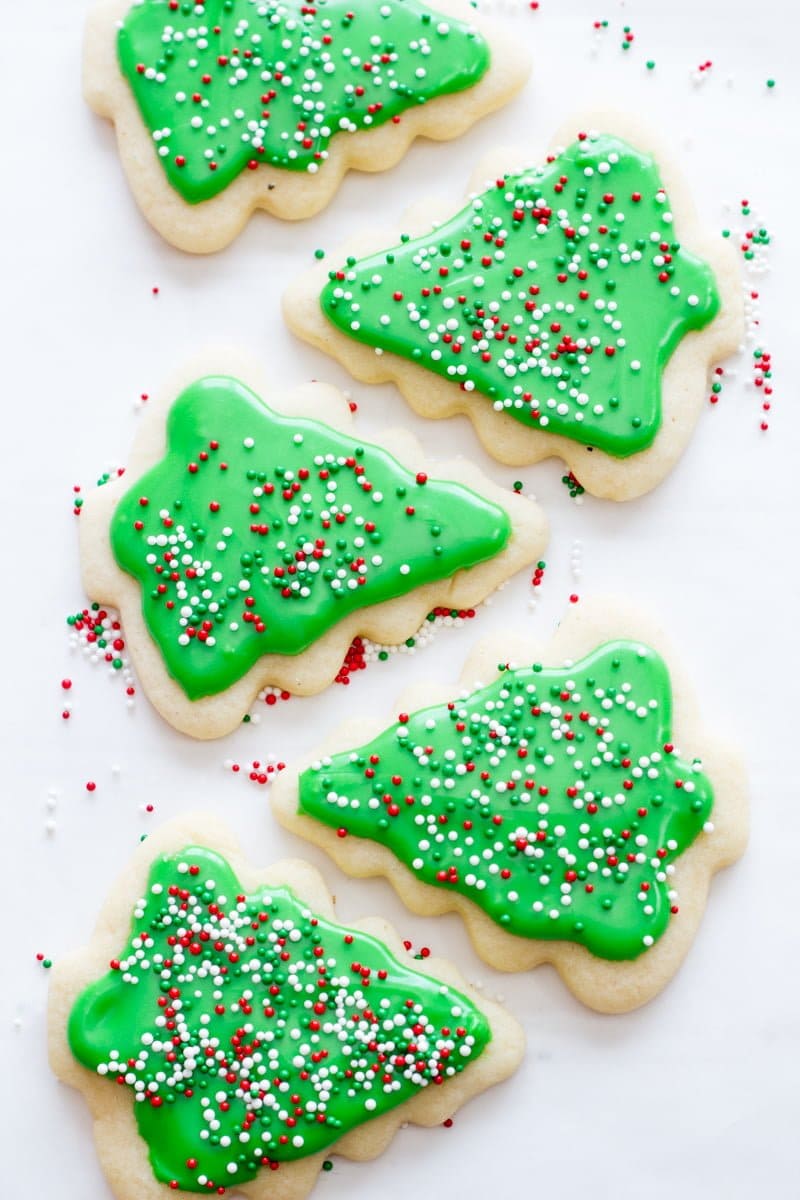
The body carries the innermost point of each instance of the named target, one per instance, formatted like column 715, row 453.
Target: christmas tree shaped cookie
column 247, row 547
column 572, row 813
column 225, row 106
column 570, row 309
column 223, row 1026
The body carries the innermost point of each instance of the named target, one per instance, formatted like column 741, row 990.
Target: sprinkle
column 97, row 632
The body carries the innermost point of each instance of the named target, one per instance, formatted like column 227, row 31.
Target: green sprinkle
column 327, row 1165
column 319, row 254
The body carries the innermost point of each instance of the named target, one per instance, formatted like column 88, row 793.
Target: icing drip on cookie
column 256, row 533
column 559, row 294
column 224, row 85
column 252, row 1032
column 552, row 799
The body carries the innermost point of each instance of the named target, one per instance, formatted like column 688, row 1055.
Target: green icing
column 253, row 1032
column 256, row 533
column 555, row 294
column 552, row 799
column 227, row 84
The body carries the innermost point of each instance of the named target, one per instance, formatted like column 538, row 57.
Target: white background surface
column 693, row 1096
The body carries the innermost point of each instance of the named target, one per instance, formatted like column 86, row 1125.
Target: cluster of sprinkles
column 558, row 294
column 364, row 652
column 255, row 533
column 106, row 477
column 554, row 799
column 355, row 660
column 252, row 1032
column 269, row 696
column 601, row 26
column 259, row 771
column 537, row 580
column 97, row 633
column 573, row 485
column 91, row 628
column 762, row 376
column 753, row 240
column 576, row 559
column 226, row 87
column 422, row 953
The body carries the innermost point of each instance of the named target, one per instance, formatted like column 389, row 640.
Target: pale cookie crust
column 292, row 195
column 684, row 380
column 122, row 1152
column 606, row 986
column 389, row 623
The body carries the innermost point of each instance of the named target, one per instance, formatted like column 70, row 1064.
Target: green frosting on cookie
column 251, row 1032
column 256, row 533
column 226, row 85
column 559, row 295
column 552, row 798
